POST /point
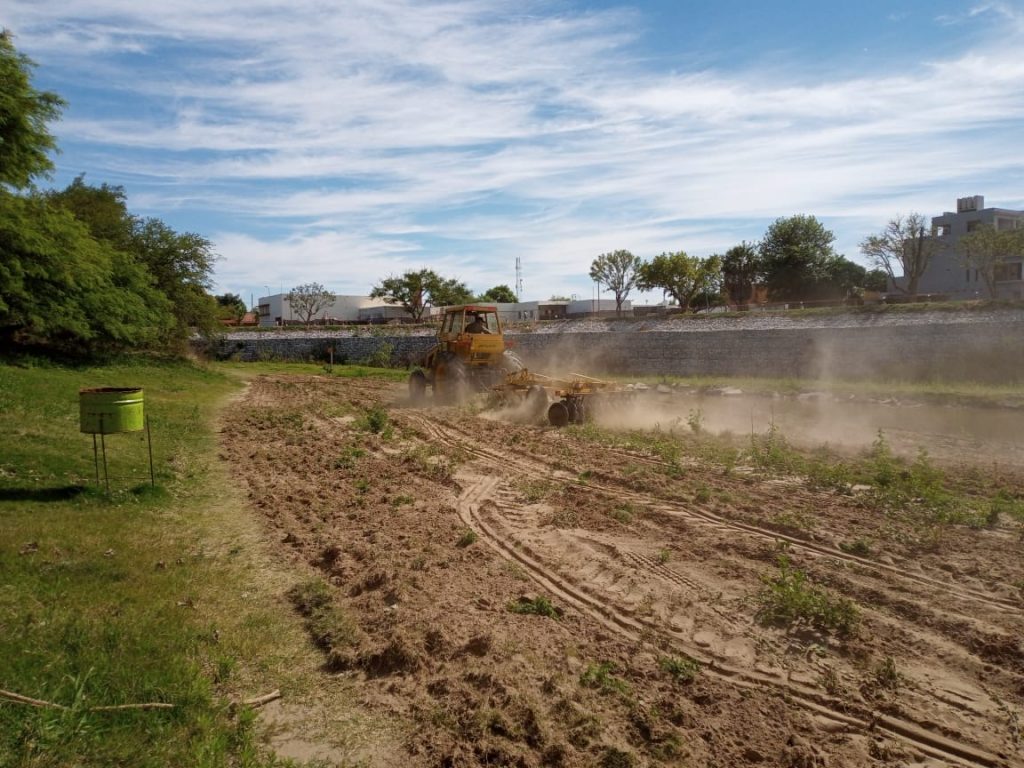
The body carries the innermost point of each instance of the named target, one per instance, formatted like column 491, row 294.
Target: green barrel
column 106, row 410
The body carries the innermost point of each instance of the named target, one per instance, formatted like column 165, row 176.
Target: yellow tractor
column 471, row 355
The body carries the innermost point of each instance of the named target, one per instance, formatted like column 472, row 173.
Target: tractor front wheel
column 558, row 414
column 417, row 387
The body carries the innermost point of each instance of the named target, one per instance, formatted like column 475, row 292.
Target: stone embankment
column 980, row 345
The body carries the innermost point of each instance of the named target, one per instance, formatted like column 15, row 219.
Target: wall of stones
column 984, row 352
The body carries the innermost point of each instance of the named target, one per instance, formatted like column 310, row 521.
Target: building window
column 967, row 275
column 942, row 230
column 264, row 310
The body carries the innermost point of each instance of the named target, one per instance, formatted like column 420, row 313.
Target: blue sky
column 341, row 142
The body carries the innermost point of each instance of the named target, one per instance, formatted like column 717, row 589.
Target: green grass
column 602, row 677
column 537, row 606
column 790, row 599
column 108, row 600
column 346, row 371
column 682, row 669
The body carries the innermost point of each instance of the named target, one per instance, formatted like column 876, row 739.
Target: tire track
column 544, row 471
column 635, row 630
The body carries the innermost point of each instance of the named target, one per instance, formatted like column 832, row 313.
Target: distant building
column 946, row 273
column 276, row 310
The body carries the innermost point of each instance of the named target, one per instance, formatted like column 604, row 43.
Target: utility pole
column 519, row 279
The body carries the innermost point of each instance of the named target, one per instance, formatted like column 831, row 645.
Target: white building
column 276, row 310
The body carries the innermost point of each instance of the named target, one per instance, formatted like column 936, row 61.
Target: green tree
column 230, row 306
column 876, row 280
column 61, row 288
column 500, row 294
column 987, row 249
column 796, row 256
column 181, row 266
column 418, row 290
column 103, row 209
column 680, row 276
column 309, row 300
column 904, row 244
column 618, row 271
column 741, row 268
column 25, row 139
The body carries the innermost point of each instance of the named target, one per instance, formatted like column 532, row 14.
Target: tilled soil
column 434, row 527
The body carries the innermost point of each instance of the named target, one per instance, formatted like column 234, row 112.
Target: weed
column 602, row 678
column 830, row 682
column 468, row 538
column 349, row 457
column 664, row 555
column 1005, row 503
column 419, row 563
column 789, row 598
column 376, row 420
column 536, row 606
column 330, row 628
column 683, row 669
column 533, row 489
column 401, row 500
column 623, row 513
column 858, row 547
column 702, row 495
column 886, row 674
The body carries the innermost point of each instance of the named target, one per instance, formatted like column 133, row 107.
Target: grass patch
column 602, row 677
column 790, row 599
column 535, row 606
column 110, row 600
column 376, row 421
column 682, row 669
column 467, row 539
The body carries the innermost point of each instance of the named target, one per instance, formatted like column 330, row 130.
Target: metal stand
column 149, row 441
column 103, row 443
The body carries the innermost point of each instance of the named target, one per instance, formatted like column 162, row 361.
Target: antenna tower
column 519, row 279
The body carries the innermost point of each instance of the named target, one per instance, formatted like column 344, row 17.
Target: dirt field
column 520, row 595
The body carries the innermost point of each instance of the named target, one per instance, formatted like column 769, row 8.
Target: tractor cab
column 473, row 334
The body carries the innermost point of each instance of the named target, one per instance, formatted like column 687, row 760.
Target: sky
column 342, row 142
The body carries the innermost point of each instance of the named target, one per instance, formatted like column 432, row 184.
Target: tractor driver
column 478, row 325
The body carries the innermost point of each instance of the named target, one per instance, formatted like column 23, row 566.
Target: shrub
column 789, row 598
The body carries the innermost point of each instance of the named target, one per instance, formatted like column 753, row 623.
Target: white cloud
column 389, row 133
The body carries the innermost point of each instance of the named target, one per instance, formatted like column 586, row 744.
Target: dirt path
column 433, row 525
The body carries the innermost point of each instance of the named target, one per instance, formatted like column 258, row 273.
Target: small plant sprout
column 468, row 538
column 535, row 606
column 683, row 669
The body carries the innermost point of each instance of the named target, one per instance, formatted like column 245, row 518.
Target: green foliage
column 789, row 598
column 100, row 614
column 681, row 276
column 468, row 538
column 376, row 420
column 62, row 288
column 417, row 291
column 986, row 249
column 618, row 270
column 795, row 257
column 741, row 268
column 230, row 306
column 682, row 668
column 309, row 300
column 499, row 294
column 537, row 606
column 602, row 678
column 25, row 140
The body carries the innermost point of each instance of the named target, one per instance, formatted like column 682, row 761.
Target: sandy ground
column 432, row 531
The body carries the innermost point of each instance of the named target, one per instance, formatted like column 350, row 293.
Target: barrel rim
column 108, row 390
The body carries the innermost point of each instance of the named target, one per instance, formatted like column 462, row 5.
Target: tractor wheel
column 417, row 387
column 558, row 415
column 456, row 382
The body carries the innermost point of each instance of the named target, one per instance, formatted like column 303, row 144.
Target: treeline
column 79, row 273
column 794, row 262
